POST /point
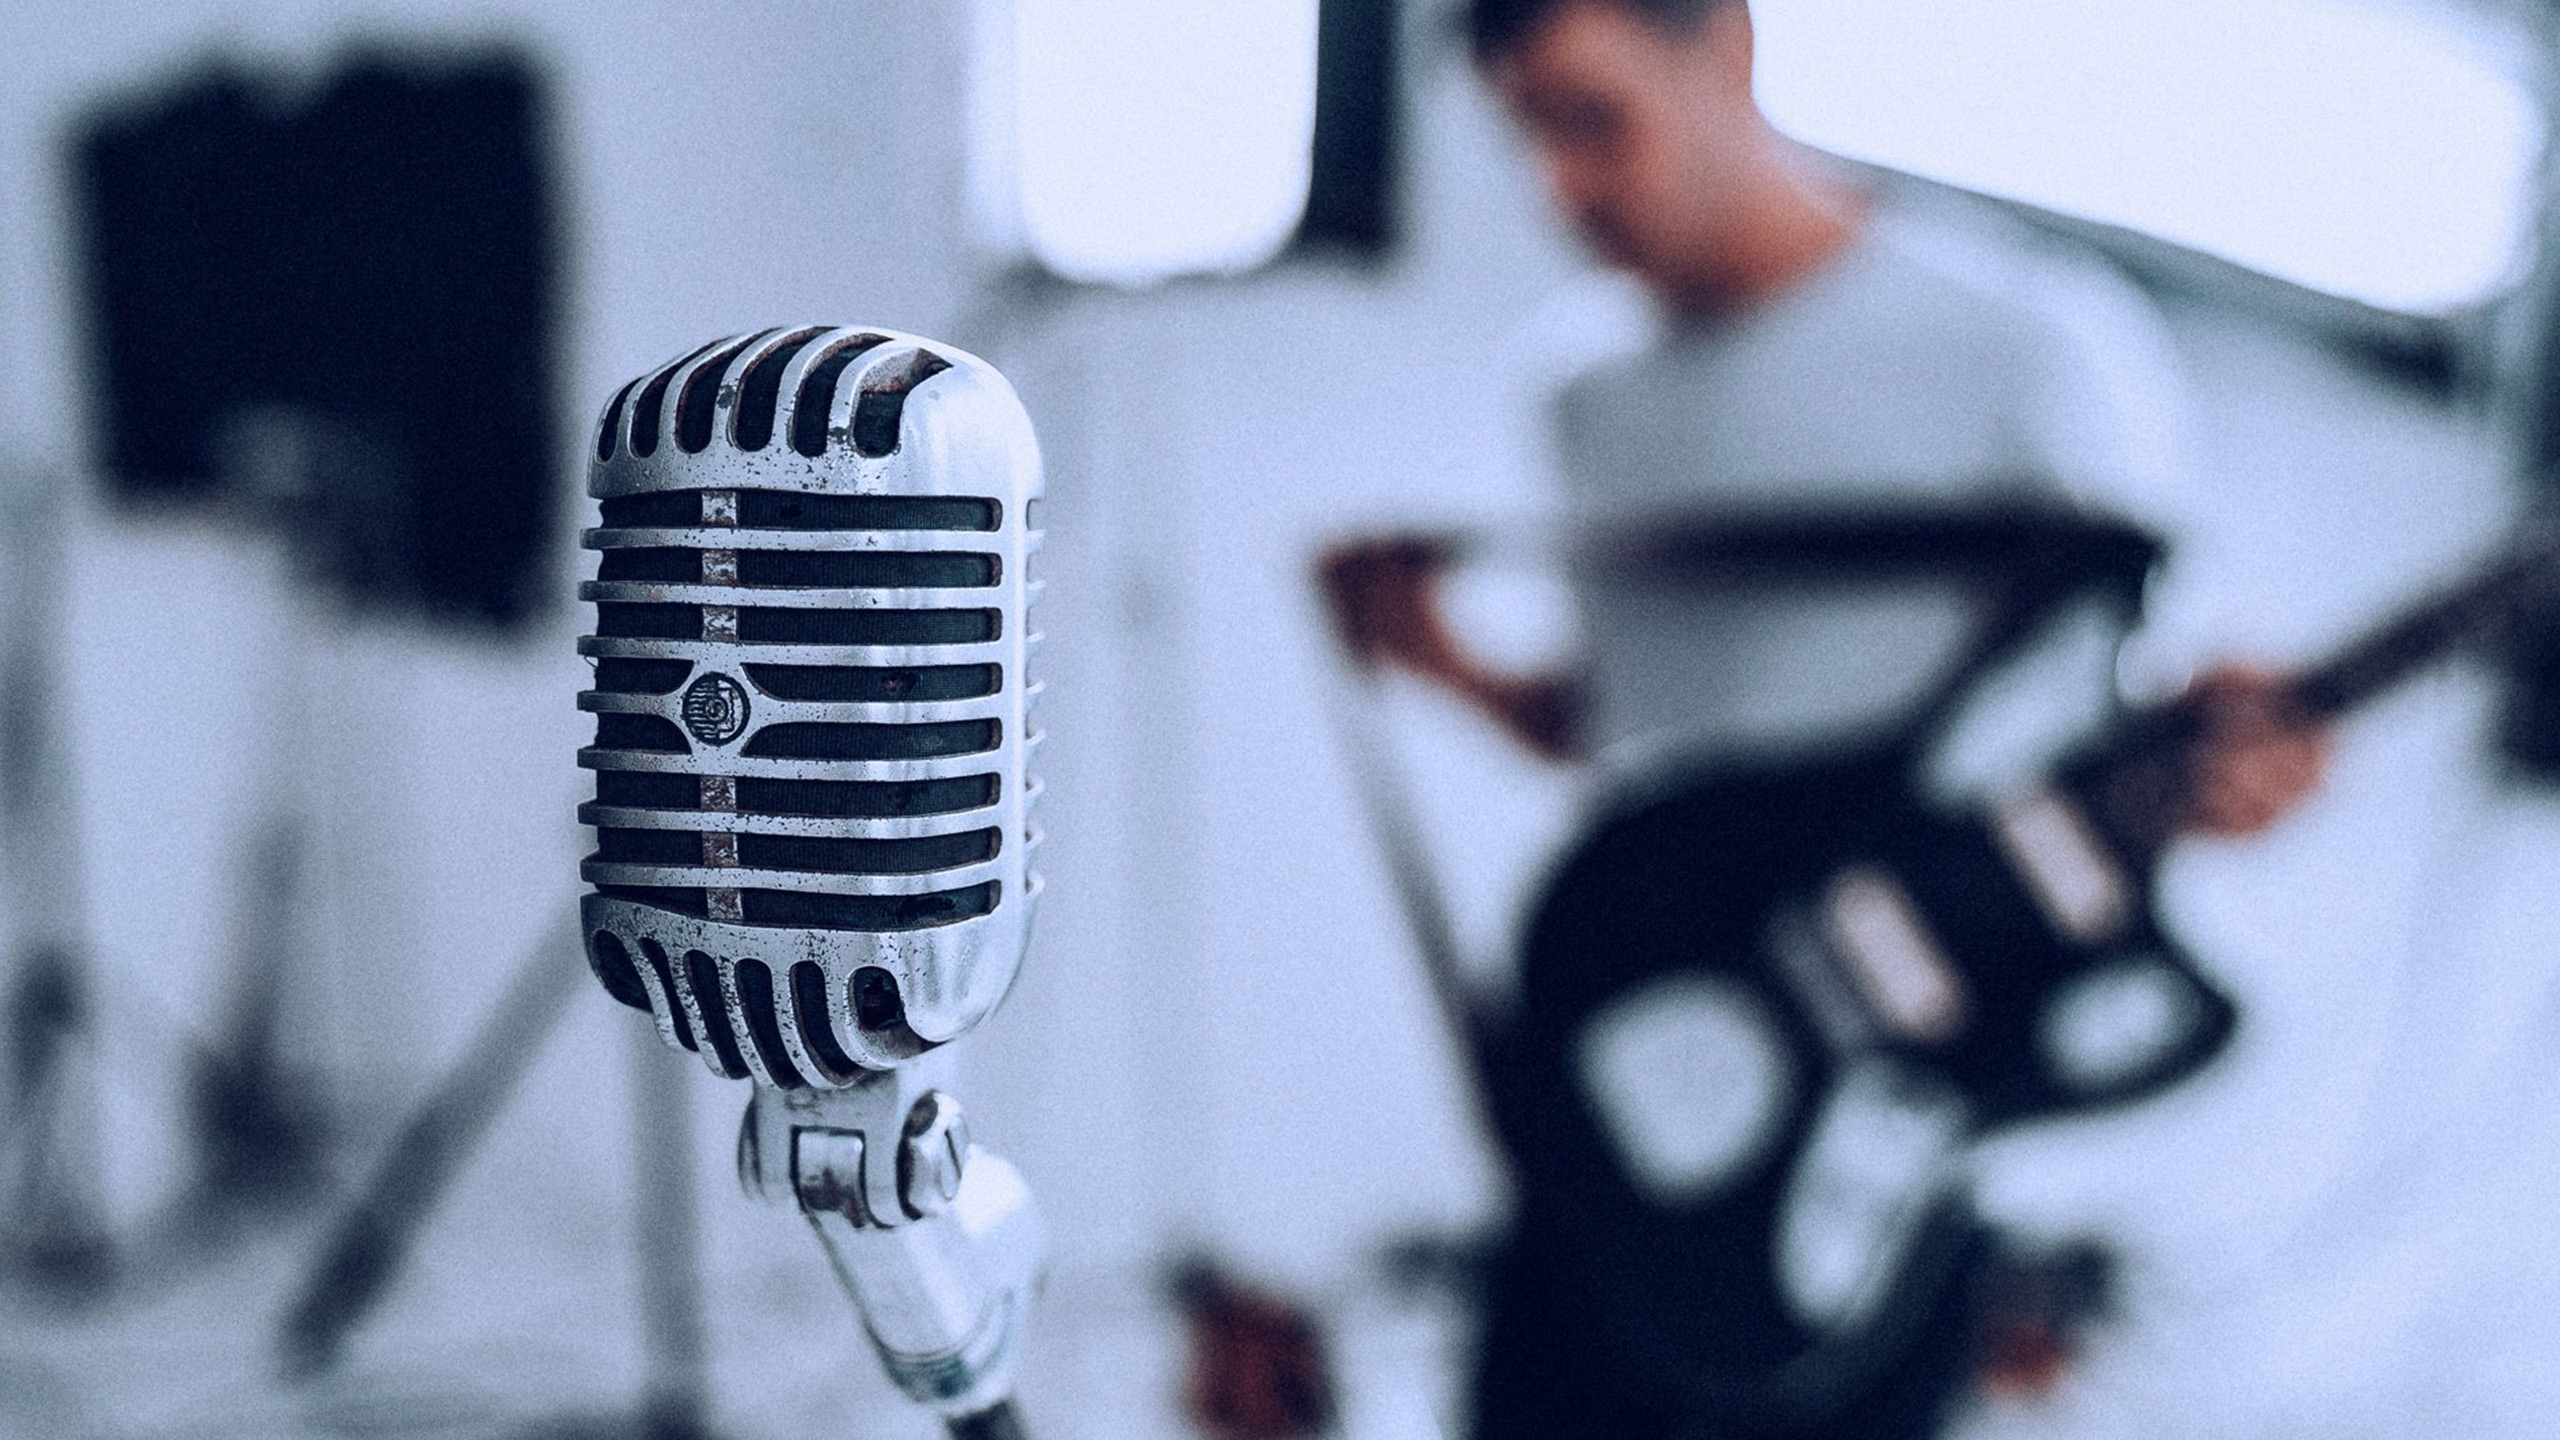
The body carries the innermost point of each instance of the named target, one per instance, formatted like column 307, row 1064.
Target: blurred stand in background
column 52, row 1180
column 266, row 351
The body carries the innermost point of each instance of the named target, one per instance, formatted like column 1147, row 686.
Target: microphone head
column 812, row 715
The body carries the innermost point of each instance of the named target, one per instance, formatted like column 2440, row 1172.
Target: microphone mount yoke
column 937, row 1240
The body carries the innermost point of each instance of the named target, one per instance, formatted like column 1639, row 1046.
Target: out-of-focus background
column 290, row 740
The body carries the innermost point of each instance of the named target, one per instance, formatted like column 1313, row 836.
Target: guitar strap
column 2036, row 563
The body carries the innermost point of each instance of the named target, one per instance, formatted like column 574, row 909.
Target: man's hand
column 1260, row 1368
column 1384, row 594
column 2033, row 1311
column 2256, row 757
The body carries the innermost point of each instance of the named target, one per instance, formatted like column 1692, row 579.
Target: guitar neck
column 2134, row 783
column 2367, row 667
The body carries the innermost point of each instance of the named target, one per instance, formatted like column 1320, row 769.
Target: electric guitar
column 1842, row 986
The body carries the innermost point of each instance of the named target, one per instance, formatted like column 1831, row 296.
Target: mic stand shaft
column 370, row 1244
column 676, row 1382
column 54, row 1219
column 937, row 1240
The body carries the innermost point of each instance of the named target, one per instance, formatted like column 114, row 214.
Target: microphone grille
column 812, row 791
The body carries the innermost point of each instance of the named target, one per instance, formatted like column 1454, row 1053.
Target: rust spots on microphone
column 876, row 416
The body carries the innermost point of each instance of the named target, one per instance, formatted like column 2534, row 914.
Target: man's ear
column 1726, row 31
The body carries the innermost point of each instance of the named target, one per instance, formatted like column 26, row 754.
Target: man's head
column 1497, row 27
column 1643, row 120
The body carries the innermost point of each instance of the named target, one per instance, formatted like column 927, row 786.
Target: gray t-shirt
column 1938, row 357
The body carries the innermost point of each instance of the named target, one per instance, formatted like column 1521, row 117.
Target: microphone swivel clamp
column 937, row 1240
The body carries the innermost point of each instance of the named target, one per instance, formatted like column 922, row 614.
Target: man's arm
column 2255, row 761
column 1385, row 599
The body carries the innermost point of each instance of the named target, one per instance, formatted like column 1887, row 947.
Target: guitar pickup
column 2049, row 846
column 1891, row 956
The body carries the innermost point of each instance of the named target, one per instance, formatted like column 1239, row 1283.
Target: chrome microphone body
column 813, row 793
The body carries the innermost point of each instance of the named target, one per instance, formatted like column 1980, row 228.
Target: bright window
column 1160, row 137
column 2383, row 152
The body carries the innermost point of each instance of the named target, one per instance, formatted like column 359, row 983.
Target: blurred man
column 1814, row 342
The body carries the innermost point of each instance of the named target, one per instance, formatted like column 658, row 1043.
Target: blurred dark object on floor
column 1259, row 1367
column 54, row 1221
column 56, row 1239
column 259, row 1111
column 2529, row 731
column 337, row 296
column 2033, row 1309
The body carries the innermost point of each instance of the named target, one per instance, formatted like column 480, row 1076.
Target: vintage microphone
column 812, row 802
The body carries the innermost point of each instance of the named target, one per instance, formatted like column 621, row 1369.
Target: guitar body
column 1762, row 1014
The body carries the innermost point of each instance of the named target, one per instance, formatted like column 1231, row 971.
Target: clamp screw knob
column 931, row 1154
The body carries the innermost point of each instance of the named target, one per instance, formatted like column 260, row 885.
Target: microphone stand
column 1387, row 809
column 265, row 1140
column 364, row 1250
column 937, row 1241
column 676, row 1386
column 54, row 1225
column 363, row 1254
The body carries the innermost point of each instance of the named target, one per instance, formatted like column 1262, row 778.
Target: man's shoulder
column 1962, row 264
column 2089, row 367
column 1595, row 326
column 1929, row 274
column 1950, row 338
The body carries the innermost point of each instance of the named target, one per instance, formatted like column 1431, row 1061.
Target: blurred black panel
column 338, row 297
column 2532, row 729
column 2529, row 726
column 1351, row 200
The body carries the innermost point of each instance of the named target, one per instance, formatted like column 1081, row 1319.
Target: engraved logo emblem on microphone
column 715, row 709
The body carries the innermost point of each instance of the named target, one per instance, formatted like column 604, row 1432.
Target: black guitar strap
column 2034, row 563
column 2029, row 557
